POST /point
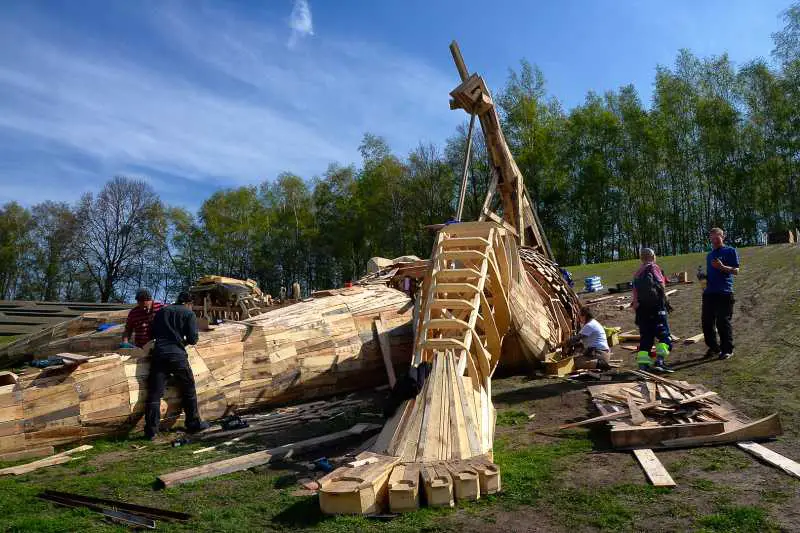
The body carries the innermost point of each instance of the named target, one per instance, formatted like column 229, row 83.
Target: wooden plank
column 764, row 428
column 651, row 435
column 383, row 341
column 611, row 416
column 774, row 458
column 694, row 339
column 637, row 418
column 488, row 474
column 698, row 398
column 655, row 471
column 653, row 377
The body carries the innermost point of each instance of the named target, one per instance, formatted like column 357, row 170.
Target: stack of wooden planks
column 308, row 350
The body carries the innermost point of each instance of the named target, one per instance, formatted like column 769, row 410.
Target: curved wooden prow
column 518, row 214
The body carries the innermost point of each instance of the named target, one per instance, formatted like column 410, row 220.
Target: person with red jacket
column 140, row 320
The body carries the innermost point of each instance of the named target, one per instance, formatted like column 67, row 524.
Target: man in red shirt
column 140, row 319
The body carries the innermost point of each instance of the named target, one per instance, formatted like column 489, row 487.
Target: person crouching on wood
column 174, row 327
column 596, row 353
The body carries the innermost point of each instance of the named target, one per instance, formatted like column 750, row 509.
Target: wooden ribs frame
column 464, row 317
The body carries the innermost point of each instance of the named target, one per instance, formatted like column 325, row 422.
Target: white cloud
column 300, row 22
column 229, row 105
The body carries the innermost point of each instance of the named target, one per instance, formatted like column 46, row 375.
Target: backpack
column 649, row 292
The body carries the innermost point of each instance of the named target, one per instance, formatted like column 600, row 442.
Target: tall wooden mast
column 518, row 214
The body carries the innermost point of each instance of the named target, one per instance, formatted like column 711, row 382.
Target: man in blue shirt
column 722, row 263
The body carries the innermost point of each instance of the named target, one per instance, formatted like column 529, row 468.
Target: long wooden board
column 774, row 458
column 655, row 471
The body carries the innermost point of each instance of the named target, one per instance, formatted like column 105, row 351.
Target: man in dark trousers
column 174, row 327
column 722, row 263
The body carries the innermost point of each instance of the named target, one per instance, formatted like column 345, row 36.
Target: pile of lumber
column 281, row 420
column 656, row 412
column 309, row 350
column 250, row 460
column 29, row 346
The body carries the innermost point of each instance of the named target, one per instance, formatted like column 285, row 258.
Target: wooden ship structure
column 489, row 296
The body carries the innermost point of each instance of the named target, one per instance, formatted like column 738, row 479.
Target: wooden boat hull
column 308, row 350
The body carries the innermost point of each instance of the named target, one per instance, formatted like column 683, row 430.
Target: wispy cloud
column 225, row 105
column 300, row 22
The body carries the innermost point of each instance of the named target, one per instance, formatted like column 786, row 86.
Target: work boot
column 197, row 427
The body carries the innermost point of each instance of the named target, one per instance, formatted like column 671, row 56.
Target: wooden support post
column 488, row 474
column 438, row 485
column 466, row 485
column 383, row 341
column 359, row 488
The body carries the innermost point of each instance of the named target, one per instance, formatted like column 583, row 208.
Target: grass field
column 567, row 481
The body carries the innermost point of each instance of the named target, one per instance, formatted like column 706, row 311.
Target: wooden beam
column 386, row 350
column 455, row 51
column 774, row 458
column 655, row 471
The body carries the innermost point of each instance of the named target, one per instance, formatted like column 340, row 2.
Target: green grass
column 733, row 519
column 619, row 271
column 512, row 417
column 5, row 339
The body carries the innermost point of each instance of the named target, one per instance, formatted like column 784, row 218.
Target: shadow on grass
column 303, row 513
column 536, row 392
column 682, row 365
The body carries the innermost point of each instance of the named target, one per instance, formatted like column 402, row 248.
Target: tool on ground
column 233, row 422
column 323, row 464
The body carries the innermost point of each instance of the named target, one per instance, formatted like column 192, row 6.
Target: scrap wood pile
column 660, row 413
column 656, row 412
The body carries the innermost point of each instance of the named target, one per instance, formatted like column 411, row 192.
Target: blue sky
column 195, row 96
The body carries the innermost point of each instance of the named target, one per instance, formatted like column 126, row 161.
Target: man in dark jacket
column 174, row 327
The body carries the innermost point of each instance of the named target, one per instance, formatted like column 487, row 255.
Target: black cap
column 143, row 295
column 184, row 297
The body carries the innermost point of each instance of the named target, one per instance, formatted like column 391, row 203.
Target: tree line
column 719, row 145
